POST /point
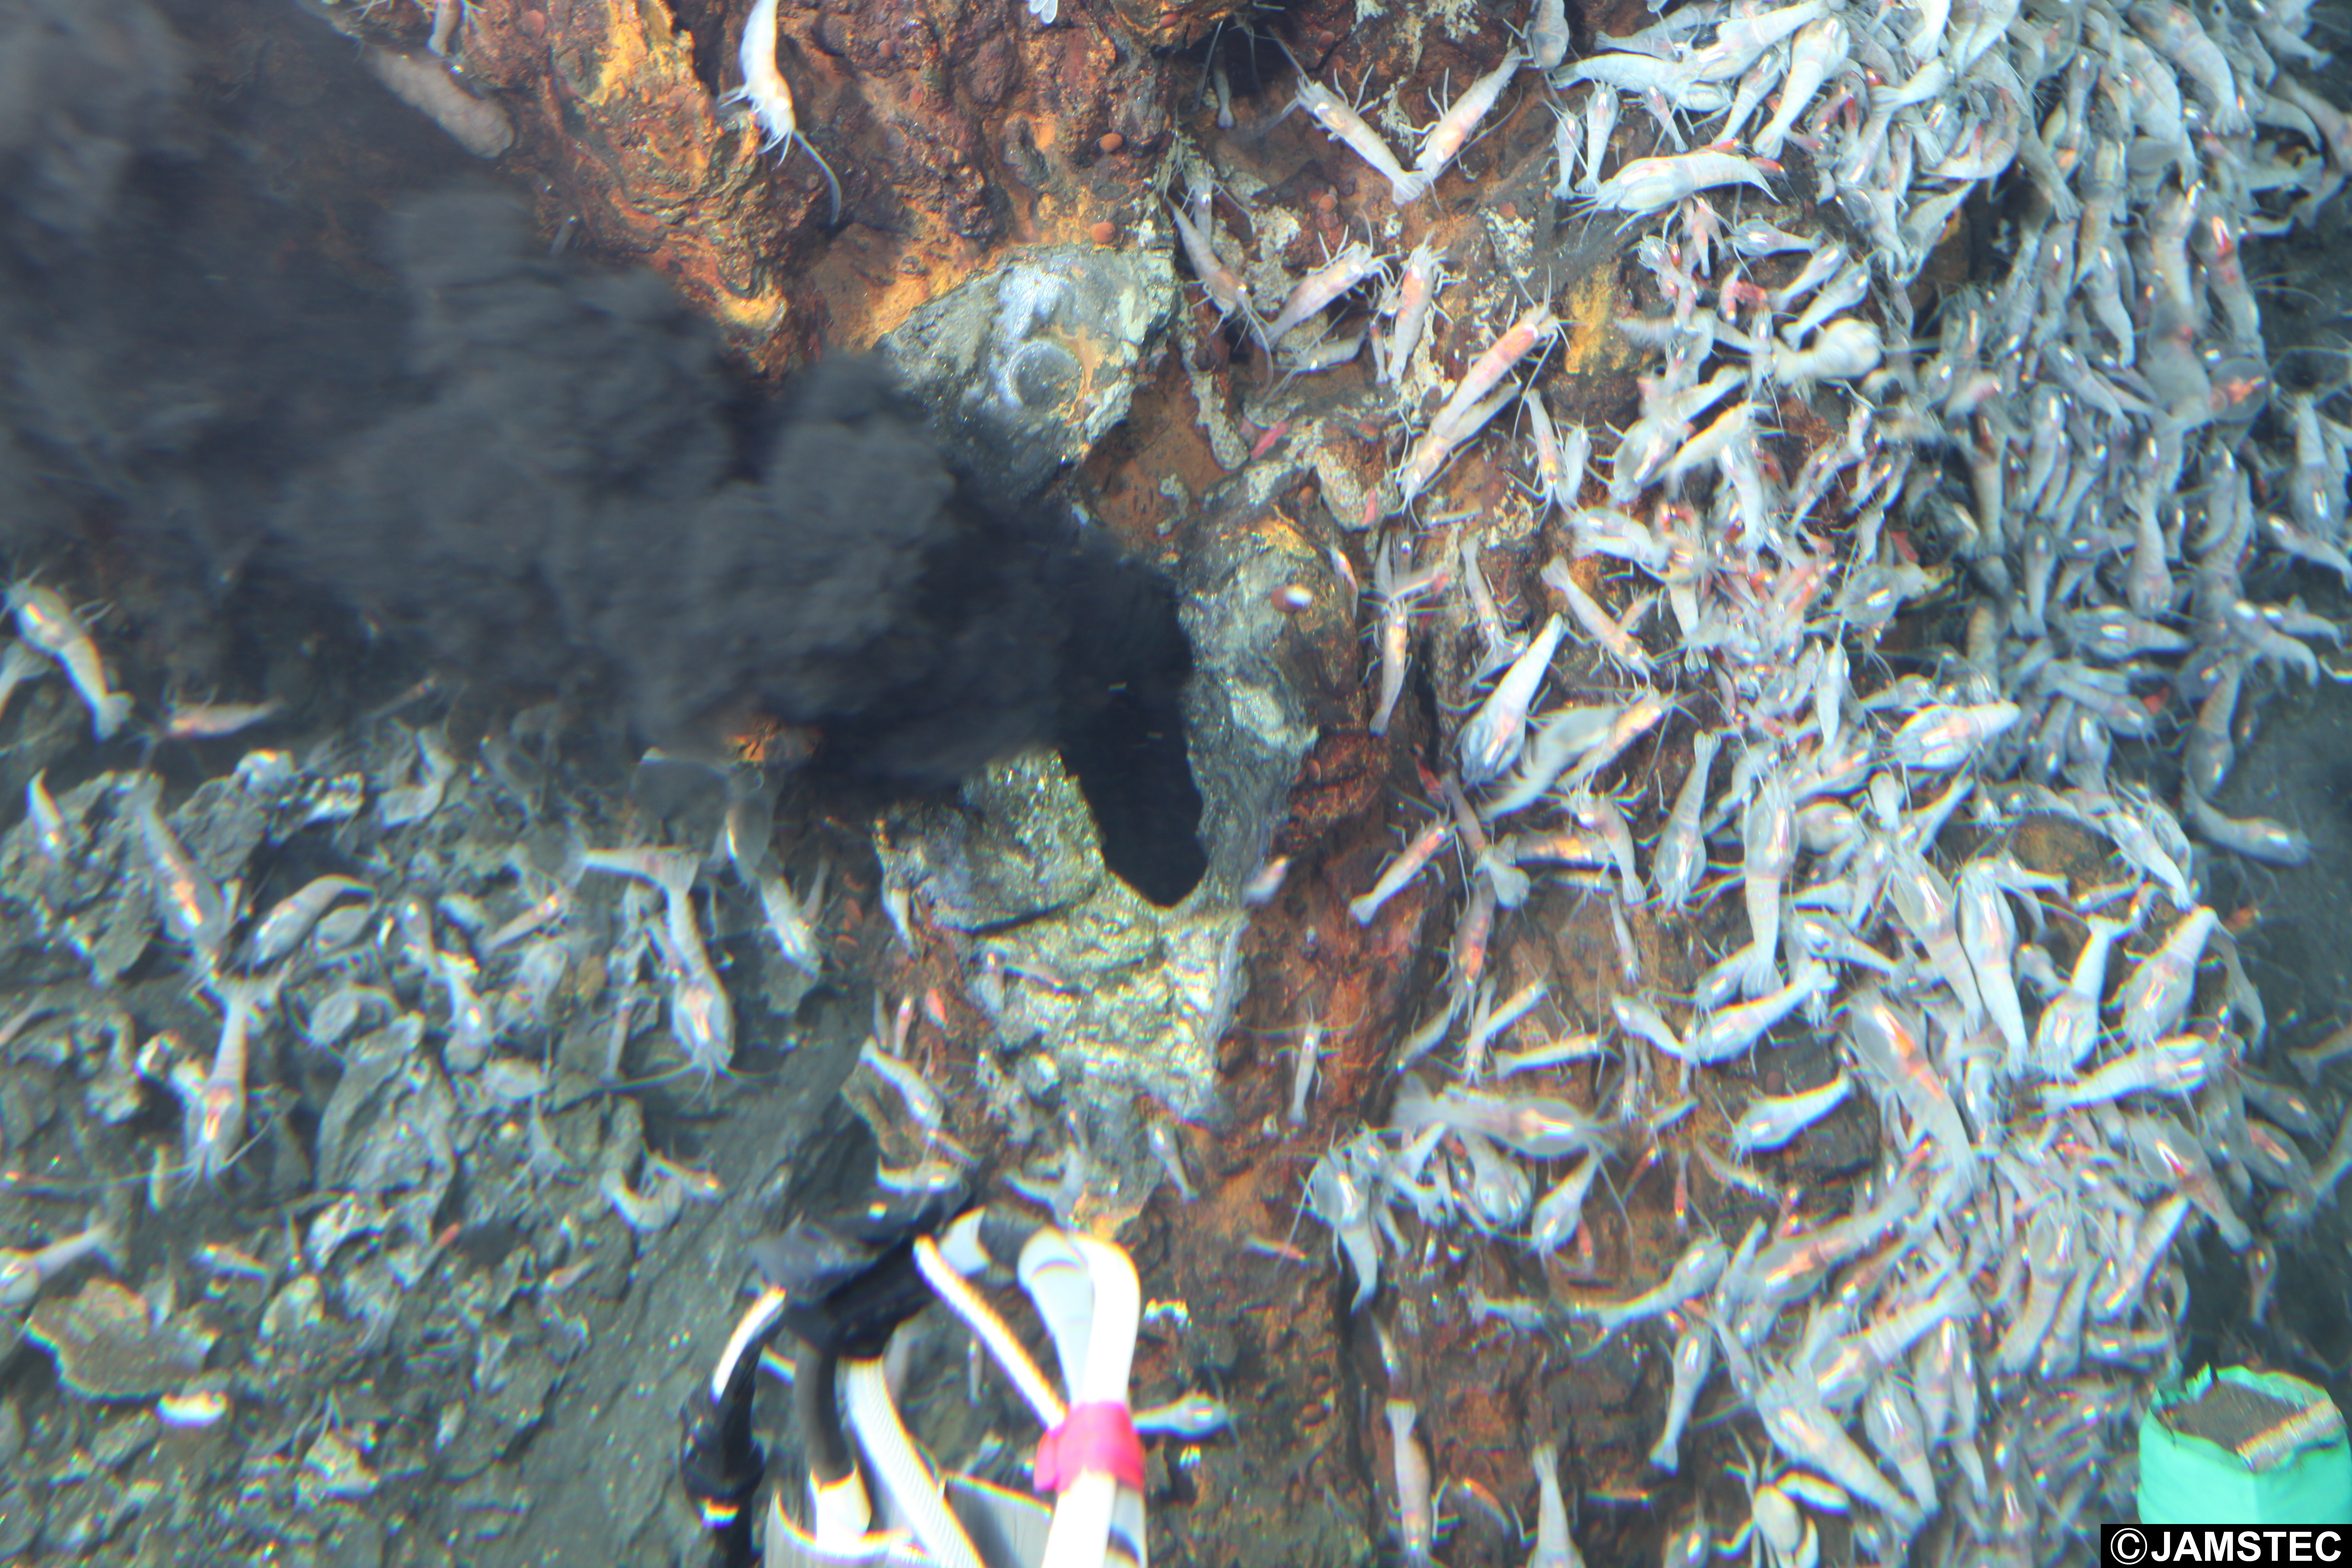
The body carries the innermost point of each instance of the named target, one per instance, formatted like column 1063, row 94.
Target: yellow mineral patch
column 1594, row 343
column 629, row 47
column 755, row 316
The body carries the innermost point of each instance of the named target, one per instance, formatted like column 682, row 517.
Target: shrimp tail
column 108, row 713
column 108, row 1226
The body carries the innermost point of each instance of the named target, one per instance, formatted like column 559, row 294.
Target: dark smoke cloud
column 174, row 339
column 86, row 86
column 528, row 469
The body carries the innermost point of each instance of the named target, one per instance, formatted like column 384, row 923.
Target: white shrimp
column 446, row 16
column 1416, row 1506
column 1845, row 288
column 2150, row 1245
column 194, row 911
column 1345, row 126
column 1727, row 1032
column 1302, row 1074
column 792, row 920
column 1336, row 1196
column 1548, row 35
column 1694, row 1359
column 1491, row 740
column 2069, row 1024
column 46, row 622
column 1846, row 350
column 1400, row 870
column 1536, row 325
column 1559, row 465
column 1891, row 1420
column 2255, row 837
column 1802, row 1427
column 2155, row 999
column 1693, row 1274
column 1755, row 237
column 215, row 1109
column 1444, row 142
column 1468, row 406
column 1595, row 620
column 770, row 97
column 1768, row 834
column 1566, row 140
column 1537, row 1126
column 1772, row 1120
column 1395, row 594
column 1630, row 725
column 1814, row 57
column 2176, row 35
column 1740, row 40
column 291, row 917
column 2177, row 1065
column 1647, row 187
column 1941, row 737
column 1989, row 936
column 24, row 1272
column 1354, row 263
column 1409, row 302
column 1632, row 72
column 1600, row 124
column 1554, row 1221
column 1224, row 287
column 1681, row 857
column 1732, row 430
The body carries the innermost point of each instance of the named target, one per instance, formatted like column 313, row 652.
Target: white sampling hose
column 1118, row 1314
column 991, row 1329
column 751, row 1328
column 914, row 1492
column 1087, row 1293
column 1054, row 1272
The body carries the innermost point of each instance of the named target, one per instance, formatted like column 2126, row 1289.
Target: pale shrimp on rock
column 770, row 99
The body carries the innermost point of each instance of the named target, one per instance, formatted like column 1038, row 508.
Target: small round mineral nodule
column 333, row 1471
column 197, row 1410
column 1041, row 1076
column 269, row 774
column 1105, row 231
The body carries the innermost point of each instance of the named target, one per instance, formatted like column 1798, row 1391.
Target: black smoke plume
column 532, row 471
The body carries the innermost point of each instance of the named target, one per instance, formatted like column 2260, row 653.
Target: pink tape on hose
column 1092, row 1437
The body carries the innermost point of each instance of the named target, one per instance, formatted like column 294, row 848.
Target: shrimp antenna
column 625, row 1086
column 832, row 184
column 15, row 1182
column 2339, row 351
column 1208, row 58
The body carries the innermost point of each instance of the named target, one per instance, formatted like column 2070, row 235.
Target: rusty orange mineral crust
column 956, row 130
